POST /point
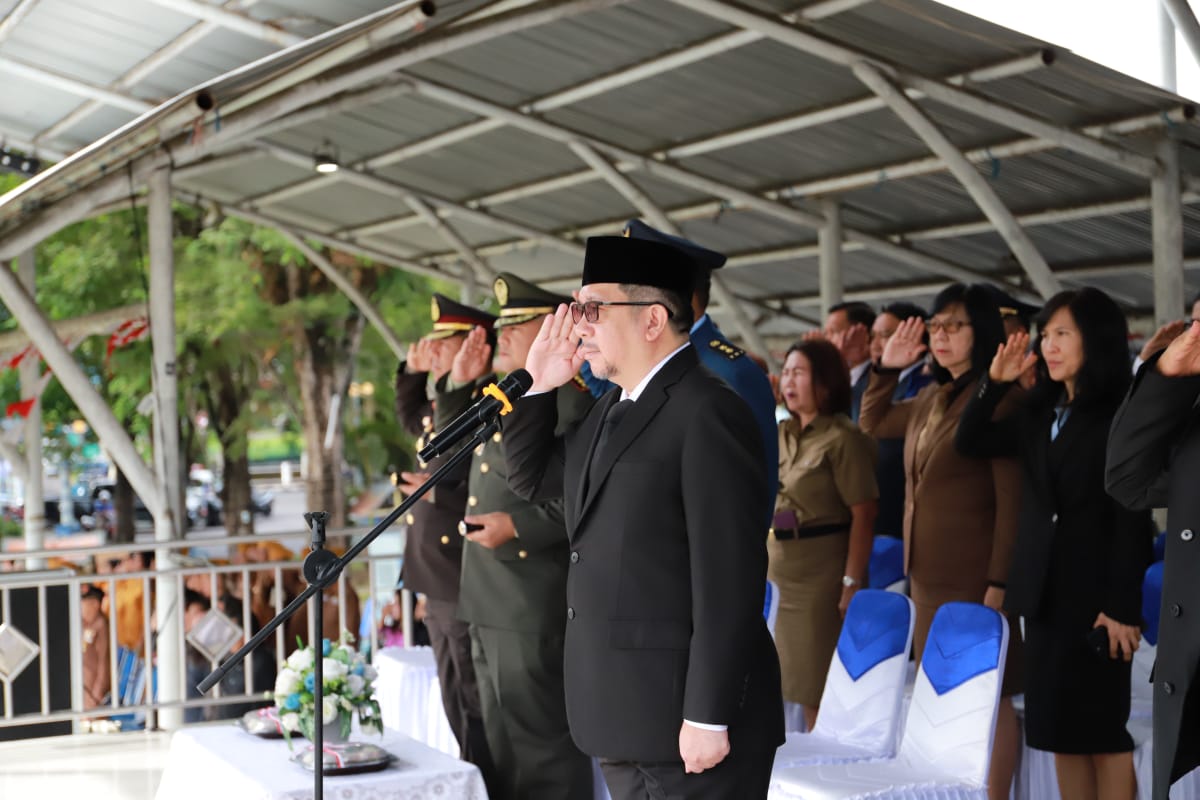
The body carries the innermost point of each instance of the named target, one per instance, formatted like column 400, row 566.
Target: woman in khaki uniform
column 960, row 515
column 820, row 541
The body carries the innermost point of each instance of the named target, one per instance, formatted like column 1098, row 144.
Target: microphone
column 497, row 401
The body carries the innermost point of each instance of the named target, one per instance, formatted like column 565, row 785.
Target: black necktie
column 611, row 420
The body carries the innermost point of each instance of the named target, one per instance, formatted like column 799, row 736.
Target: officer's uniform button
column 479, row 450
column 1168, row 687
column 410, row 519
column 472, row 501
column 1054, row 518
column 575, row 557
column 1186, row 534
column 1176, row 610
column 484, row 468
column 570, row 613
column 496, row 437
column 522, row 554
column 445, row 540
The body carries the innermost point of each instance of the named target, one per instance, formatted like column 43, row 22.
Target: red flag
column 21, row 408
column 127, row 332
column 16, row 360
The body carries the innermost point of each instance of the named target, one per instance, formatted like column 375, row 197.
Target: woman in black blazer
column 1080, row 556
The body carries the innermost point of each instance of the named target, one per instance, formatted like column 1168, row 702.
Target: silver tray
column 347, row 759
column 262, row 722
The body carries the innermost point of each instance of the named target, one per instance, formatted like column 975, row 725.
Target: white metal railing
column 381, row 562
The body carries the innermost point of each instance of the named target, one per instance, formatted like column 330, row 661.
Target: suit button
column 522, row 554
column 1176, row 610
column 570, row 613
column 1186, row 534
column 575, row 558
column 1168, row 687
column 410, row 519
column 1054, row 518
column 445, row 540
column 484, row 468
column 472, row 501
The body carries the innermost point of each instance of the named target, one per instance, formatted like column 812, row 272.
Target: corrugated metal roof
column 524, row 179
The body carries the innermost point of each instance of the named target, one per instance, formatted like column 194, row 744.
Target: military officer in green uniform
column 514, row 576
column 433, row 548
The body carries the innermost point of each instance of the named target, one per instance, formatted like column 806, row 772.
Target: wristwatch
column 850, row 583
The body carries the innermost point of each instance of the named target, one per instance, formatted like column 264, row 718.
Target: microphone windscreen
column 516, row 383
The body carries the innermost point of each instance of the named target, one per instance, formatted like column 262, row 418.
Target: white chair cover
column 860, row 707
column 947, row 740
column 771, row 606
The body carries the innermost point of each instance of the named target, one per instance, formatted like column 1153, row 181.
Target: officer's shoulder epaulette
column 726, row 349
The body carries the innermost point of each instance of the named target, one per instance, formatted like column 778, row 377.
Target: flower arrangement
column 348, row 686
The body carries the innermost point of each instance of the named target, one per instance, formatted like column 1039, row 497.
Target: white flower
column 332, row 669
column 287, row 682
column 355, row 684
column 329, row 707
column 301, row 660
column 369, row 672
column 290, row 721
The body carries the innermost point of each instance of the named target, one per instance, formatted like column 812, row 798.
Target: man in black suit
column 848, row 326
column 672, row 679
column 1153, row 461
column 889, row 469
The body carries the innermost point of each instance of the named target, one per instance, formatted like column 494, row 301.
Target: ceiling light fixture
column 325, row 158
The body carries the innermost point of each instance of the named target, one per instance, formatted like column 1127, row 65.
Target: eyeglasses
column 932, row 326
column 591, row 309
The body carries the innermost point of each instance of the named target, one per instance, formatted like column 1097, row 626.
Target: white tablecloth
column 410, row 697
column 223, row 761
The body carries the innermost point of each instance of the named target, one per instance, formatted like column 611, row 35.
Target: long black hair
column 986, row 325
column 1104, row 375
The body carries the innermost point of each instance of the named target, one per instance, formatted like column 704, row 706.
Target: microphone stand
column 321, row 569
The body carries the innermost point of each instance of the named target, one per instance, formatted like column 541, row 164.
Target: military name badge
column 726, row 349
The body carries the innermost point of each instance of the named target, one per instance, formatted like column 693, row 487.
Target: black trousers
column 525, row 715
column 451, row 642
column 741, row 776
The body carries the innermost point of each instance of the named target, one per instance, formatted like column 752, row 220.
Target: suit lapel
column 651, row 400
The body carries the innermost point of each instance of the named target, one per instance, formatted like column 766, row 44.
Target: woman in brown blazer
column 960, row 514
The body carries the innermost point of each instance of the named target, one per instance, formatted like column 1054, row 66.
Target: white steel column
column 977, row 187
column 451, row 237
column 1168, row 65
column 627, row 189
column 357, row 297
column 829, row 239
column 166, row 440
column 35, row 510
column 1185, row 22
column 79, row 387
column 1167, row 211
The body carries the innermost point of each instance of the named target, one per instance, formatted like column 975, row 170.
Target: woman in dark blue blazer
column 1080, row 556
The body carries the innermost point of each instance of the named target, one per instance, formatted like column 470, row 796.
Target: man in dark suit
column 514, row 576
column 728, row 361
column 889, row 469
column 848, row 326
column 671, row 676
column 433, row 549
column 1153, row 461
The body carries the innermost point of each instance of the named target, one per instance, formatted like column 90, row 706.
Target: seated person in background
column 97, row 672
column 195, row 606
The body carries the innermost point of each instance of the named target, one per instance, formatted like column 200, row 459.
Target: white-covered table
column 224, row 761
column 410, row 697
